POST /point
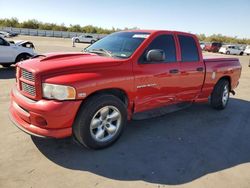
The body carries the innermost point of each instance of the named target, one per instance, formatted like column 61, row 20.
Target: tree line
column 35, row 24
column 223, row 39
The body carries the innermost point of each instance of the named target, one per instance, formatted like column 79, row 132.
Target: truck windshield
column 121, row 44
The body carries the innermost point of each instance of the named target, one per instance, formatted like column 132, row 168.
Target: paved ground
column 195, row 147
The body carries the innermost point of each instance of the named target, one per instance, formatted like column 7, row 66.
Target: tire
column 92, row 42
column 22, row 57
column 241, row 53
column 228, row 53
column 7, row 65
column 92, row 125
column 77, row 40
column 220, row 95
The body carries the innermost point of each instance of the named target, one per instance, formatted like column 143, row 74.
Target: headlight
column 58, row 92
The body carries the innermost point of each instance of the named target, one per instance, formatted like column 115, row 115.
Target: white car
column 231, row 49
column 247, row 50
column 4, row 34
column 84, row 38
column 11, row 53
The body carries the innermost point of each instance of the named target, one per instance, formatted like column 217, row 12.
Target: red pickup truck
column 126, row 75
column 213, row 47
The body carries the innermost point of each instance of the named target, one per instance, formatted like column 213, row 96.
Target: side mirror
column 155, row 55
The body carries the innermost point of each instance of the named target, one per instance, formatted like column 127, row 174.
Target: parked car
column 11, row 52
column 126, row 75
column 84, row 39
column 12, row 33
column 231, row 49
column 213, row 47
column 247, row 50
column 4, row 34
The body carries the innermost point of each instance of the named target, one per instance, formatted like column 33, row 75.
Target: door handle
column 200, row 69
column 174, row 71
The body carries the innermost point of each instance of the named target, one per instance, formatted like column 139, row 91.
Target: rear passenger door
column 192, row 69
column 88, row 38
column 233, row 50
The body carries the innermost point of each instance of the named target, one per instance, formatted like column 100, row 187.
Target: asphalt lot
column 195, row 147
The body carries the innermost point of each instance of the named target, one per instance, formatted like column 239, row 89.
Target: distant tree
column 31, row 24
column 75, row 28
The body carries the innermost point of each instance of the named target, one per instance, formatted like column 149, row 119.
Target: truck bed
column 208, row 59
column 220, row 67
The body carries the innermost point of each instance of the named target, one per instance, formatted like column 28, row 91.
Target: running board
column 160, row 111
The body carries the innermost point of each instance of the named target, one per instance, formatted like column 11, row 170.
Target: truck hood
column 61, row 62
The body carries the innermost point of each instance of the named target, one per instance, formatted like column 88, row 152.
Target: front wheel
column 6, row 65
column 22, row 57
column 220, row 95
column 100, row 121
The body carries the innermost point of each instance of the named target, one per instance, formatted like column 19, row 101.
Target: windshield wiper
column 101, row 51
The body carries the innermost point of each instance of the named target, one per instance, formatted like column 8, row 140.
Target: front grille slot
column 27, row 75
column 28, row 89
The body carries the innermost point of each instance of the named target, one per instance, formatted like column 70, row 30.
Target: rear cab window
column 188, row 47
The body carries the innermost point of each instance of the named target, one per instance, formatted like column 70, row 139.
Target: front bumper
column 43, row 118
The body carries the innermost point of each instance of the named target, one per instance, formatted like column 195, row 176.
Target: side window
column 165, row 43
column 3, row 42
column 189, row 50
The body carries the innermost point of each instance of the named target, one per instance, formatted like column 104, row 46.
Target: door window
column 3, row 42
column 189, row 50
column 165, row 43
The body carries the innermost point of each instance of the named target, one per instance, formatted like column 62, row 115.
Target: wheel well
column 115, row 91
column 25, row 53
column 228, row 78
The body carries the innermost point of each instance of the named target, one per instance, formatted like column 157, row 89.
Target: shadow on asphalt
column 174, row 149
column 7, row 73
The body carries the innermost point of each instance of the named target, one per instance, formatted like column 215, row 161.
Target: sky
column 227, row 17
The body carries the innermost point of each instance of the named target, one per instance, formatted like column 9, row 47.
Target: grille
column 27, row 75
column 28, row 89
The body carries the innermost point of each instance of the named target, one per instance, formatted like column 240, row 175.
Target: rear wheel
column 92, row 42
column 241, row 53
column 227, row 52
column 220, row 94
column 100, row 121
column 77, row 40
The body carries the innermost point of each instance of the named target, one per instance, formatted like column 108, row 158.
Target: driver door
column 157, row 83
